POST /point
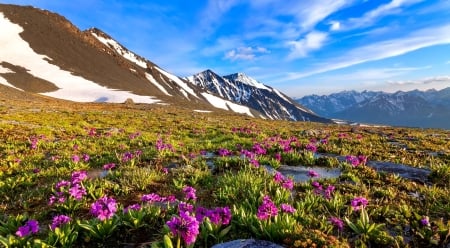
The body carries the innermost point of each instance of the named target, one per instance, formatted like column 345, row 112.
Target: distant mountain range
column 430, row 109
column 43, row 53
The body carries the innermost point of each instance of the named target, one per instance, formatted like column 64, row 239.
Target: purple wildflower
column 150, row 198
column 311, row 147
column 134, row 207
column 286, row 208
column 288, row 184
column 312, row 173
column 104, row 208
column 184, row 226
column 337, row 223
column 61, row 184
column 316, row 185
column 328, row 191
column 127, row 156
column 165, row 170
column 109, row 166
column 223, row 152
column 277, row 156
column 59, row 220
column 32, row 226
column 33, row 143
column 185, row 207
column 359, row 202
column 267, row 209
column 219, row 215
column 254, row 162
column 77, row 192
column 425, row 221
column 362, row 159
column 85, row 157
column 78, row 176
column 278, row 177
column 201, row 213
column 75, row 158
column 189, row 193
column 354, row 161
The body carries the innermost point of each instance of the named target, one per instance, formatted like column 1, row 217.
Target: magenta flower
column 288, row 184
column 337, row 223
column 278, row 177
column 59, row 220
column 185, row 207
column 32, row 226
column 311, row 147
column 312, row 173
column 425, row 221
column 354, row 161
column 219, row 215
column 134, row 207
column 86, row 157
column 185, row 227
column 75, row 158
column 127, row 156
column 109, row 166
column 77, row 192
column 78, row 176
column 277, row 156
column 267, row 209
column 223, row 152
column 104, row 208
column 359, row 202
column 33, row 143
column 61, row 184
column 329, row 191
column 316, row 185
column 286, row 208
column 201, row 213
column 150, row 198
column 189, row 193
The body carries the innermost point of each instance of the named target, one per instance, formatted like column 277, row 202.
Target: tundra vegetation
column 112, row 175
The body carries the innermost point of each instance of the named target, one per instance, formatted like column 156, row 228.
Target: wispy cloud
column 245, row 53
column 370, row 17
column 312, row 41
column 373, row 74
column 383, row 49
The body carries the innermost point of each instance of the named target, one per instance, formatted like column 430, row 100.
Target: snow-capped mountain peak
column 243, row 78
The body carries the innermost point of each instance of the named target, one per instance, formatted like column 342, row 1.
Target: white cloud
column 245, row 53
column 383, row 49
column 394, row 6
column 335, row 25
column 312, row 41
column 311, row 12
column 373, row 74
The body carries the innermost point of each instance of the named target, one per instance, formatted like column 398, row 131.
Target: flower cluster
column 189, row 193
column 104, row 208
column 161, row 146
column 152, row 198
column 359, row 202
column 32, row 226
column 73, row 189
column 267, row 209
column 217, row 216
column 356, row 160
column 286, row 183
column 338, row 223
column 184, row 226
column 59, row 220
column 319, row 190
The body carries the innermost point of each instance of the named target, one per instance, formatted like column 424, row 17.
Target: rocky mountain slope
column 241, row 89
column 413, row 108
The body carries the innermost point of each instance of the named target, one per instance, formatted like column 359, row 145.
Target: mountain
column 241, row 89
column 42, row 52
column 429, row 109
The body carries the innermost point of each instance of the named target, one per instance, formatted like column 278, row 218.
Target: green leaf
column 167, row 242
column 224, row 232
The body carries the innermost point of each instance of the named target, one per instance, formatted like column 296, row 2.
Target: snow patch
column 154, row 82
column 281, row 95
column 178, row 81
column 121, row 50
column 16, row 51
column 226, row 105
column 202, row 111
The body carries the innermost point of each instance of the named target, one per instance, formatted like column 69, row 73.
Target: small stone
column 248, row 243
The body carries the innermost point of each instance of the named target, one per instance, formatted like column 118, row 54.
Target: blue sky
column 300, row 47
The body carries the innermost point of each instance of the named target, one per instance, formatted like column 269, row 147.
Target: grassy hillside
column 115, row 175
